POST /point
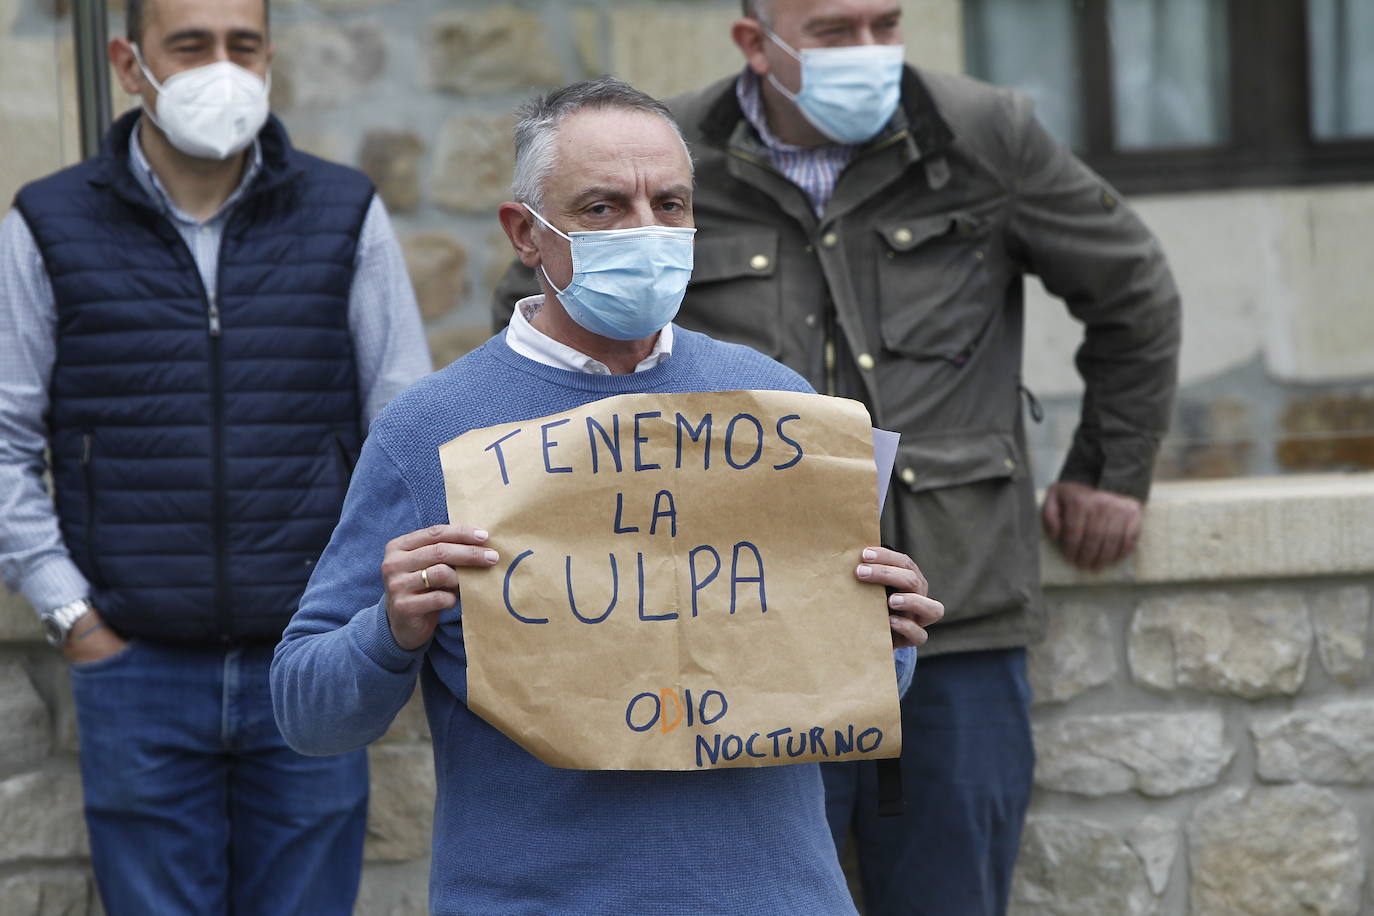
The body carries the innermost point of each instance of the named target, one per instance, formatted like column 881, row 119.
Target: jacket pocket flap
column 728, row 255
column 904, row 235
column 948, row 461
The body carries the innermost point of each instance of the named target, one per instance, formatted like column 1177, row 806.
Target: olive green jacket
column 906, row 294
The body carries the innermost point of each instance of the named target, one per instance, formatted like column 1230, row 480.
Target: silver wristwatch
column 57, row 623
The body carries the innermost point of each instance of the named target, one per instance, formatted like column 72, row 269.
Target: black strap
column 1036, row 411
column 890, row 802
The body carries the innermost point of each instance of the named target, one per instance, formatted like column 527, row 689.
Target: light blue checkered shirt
column 814, row 169
column 384, row 323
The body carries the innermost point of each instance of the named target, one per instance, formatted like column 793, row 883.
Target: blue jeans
column 194, row 803
column 967, row 767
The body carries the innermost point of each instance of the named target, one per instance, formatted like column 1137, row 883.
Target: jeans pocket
column 106, row 663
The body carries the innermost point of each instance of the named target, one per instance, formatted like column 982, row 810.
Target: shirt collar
column 750, row 96
column 152, row 185
column 532, row 343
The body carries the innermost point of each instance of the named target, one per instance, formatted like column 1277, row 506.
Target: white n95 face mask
column 627, row 284
column 848, row 94
column 210, row 112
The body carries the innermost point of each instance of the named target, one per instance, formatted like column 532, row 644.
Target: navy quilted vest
column 200, row 465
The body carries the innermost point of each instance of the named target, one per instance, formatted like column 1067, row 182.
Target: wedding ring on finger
column 424, row 577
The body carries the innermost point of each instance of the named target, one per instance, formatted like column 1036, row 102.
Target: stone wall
column 1204, row 719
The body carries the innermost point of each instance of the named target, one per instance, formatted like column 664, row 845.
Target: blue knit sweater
column 512, row 835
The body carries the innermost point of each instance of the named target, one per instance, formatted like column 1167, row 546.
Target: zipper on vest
column 219, row 519
column 218, row 476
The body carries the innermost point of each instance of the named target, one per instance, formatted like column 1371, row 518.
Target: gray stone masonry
column 1204, row 710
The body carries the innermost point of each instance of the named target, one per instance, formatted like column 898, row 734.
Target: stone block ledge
column 1246, row 528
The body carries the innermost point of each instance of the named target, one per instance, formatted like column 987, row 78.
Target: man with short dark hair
column 197, row 325
column 603, row 184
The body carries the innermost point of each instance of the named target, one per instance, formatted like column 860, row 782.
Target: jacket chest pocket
column 933, row 285
column 733, row 294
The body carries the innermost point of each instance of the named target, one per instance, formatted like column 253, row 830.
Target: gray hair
column 538, row 120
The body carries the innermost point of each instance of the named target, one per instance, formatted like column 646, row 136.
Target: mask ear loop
column 772, row 77
column 138, row 56
column 148, row 75
column 535, row 213
column 782, row 44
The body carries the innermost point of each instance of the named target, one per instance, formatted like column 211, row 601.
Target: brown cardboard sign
column 676, row 587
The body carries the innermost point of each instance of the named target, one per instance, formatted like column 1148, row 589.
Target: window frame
column 1270, row 138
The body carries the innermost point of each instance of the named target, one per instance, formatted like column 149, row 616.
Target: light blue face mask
column 848, row 94
column 626, row 284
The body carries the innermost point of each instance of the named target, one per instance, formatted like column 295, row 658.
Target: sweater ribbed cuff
column 372, row 635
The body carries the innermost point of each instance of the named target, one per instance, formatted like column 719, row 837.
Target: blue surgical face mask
column 848, row 94
column 626, row 284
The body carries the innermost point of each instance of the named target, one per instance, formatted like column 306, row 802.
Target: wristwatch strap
column 57, row 623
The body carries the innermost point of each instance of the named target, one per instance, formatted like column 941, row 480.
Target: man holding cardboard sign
column 676, row 586
column 591, row 421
